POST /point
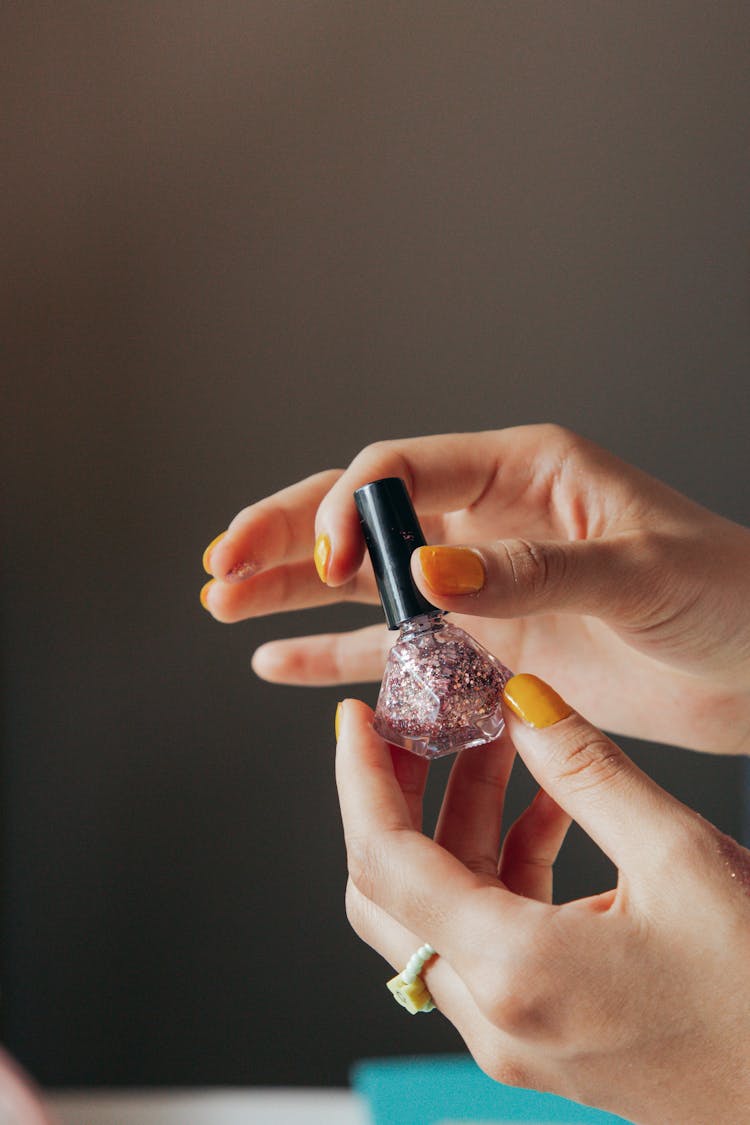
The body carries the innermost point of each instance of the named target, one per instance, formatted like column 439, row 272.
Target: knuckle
column 383, row 458
column 509, row 1072
column 500, row 1065
column 590, row 761
column 378, row 449
column 518, row 1009
column 564, row 448
column 534, row 566
column 557, row 436
column 519, row 988
column 661, row 585
column 521, row 998
column 376, row 453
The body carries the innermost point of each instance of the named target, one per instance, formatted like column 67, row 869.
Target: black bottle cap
column 392, row 533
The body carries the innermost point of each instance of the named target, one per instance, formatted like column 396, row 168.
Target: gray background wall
column 240, row 241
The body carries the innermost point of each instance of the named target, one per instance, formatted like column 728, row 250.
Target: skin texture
column 631, row 599
column 635, row 603
column 635, row 1001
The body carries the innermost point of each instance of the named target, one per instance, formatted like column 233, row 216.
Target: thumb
column 626, row 813
column 610, row 578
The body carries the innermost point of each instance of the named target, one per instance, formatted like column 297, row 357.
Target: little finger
column 284, row 588
column 275, row 530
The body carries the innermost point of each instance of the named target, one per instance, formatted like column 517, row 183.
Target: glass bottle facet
column 441, row 690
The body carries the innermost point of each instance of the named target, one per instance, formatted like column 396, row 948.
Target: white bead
column 416, row 963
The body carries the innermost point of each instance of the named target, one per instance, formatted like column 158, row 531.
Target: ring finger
column 284, row 588
column 396, row 944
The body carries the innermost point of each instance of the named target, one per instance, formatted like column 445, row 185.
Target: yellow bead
column 415, row 997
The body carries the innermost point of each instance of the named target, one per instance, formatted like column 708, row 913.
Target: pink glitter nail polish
column 441, row 689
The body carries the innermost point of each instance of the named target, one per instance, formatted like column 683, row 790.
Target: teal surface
column 427, row 1090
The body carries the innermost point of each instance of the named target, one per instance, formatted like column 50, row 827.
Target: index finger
column 414, row 880
column 446, row 473
column 441, row 472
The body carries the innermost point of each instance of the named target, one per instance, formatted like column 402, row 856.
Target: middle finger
column 469, row 825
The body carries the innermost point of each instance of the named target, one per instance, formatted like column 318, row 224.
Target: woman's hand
column 630, row 596
column 636, row 1001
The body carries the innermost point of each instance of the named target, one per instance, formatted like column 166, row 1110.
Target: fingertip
column 267, row 661
column 338, row 554
column 372, row 782
column 424, row 587
column 322, row 555
column 358, row 711
column 355, row 733
column 352, row 713
column 226, row 558
column 206, row 560
column 534, row 701
column 339, row 543
column 216, row 598
column 450, row 572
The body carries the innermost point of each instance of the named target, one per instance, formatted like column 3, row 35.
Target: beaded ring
column 408, row 988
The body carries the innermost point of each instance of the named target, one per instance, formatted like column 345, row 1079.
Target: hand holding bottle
column 564, row 560
column 632, row 598
column 636, row 1001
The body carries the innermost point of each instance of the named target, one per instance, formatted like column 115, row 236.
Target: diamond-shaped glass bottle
column 441, row 690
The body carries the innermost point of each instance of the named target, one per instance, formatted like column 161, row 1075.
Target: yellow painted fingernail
column 208, row 550
column 337, row 720
column 452, row 570
column 204, row 593
column 534, row 701
column 322, row 556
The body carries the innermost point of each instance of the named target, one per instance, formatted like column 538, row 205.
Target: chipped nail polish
column 240, row 571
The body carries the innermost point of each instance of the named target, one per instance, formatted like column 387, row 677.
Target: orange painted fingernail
column 208, row 550
column 322, row 556
column 452, row 570
column 534, row 701
column 204, row 593
column 337, row 720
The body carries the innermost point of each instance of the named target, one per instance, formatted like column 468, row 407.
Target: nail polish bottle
column 441, row 689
